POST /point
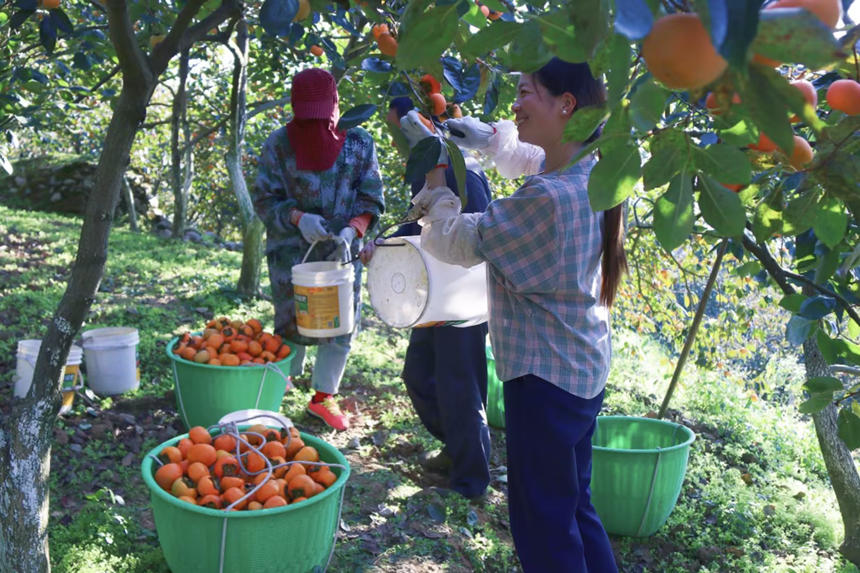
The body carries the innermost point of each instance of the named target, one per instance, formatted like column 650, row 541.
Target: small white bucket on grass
column 323, row 294
column 25, row 365
column 112, row 359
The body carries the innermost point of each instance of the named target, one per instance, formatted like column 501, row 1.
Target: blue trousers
column 554, row 526
column 445, row 373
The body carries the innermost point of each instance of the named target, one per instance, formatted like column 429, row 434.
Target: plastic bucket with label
column 112, row 359
column 409, row 287
column 28, row 352
column 323, row 294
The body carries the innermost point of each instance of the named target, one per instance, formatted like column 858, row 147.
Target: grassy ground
column 755, row 497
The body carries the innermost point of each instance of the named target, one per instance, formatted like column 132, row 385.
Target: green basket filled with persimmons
column 230, row 365
column 235, row 497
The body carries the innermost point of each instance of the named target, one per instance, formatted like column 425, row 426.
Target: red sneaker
column 329, row 412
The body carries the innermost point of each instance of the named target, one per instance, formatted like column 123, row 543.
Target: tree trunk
column 837, row 458
column 178, row 125
column 26, row 435
column 252, row 227
column 128, row 198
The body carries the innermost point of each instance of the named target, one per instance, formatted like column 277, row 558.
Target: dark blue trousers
column 554, row 526
column 446, row 376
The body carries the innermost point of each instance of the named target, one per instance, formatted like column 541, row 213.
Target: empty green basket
column 297, row 538
column 637, row 470
column 205, row 393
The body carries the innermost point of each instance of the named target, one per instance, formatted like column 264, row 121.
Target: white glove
column 312, row 228
column 434, row 204
column 344, row 240
column 470, row 133
column 415, row 130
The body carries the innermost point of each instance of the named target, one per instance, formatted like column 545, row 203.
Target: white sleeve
column 513, row 157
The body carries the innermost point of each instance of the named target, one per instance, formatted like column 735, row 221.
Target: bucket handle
column 314, row 244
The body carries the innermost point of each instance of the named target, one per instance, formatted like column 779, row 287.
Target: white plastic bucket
column 409, row 287
column 323, row 294
column 113, row 365
column 28, row 352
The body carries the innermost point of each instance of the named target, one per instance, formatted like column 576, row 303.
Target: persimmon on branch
column 783, row 276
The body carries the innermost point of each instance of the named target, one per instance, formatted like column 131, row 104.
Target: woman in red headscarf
column 315, row 183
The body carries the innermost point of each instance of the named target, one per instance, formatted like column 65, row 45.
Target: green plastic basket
column 637, row 471
column 205, row 393
column 296, row 538
column 495, row 393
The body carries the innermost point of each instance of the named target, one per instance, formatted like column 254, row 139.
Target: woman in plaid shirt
column 553, row 268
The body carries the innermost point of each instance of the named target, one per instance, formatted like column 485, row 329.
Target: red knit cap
column 314, row 94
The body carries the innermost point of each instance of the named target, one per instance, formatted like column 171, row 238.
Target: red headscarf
column 313, row 132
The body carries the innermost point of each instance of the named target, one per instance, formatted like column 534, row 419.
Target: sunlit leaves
column 725, row 163
column 584, row 122
column 673, row 212
column 670, row 153
column 766, row 106
column 795, row 35
column 647, row 104
column 721, row 208
column 831, row 221
column 427, row 36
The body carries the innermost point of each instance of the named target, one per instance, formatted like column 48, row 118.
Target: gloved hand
column 344, row 240
column 470, row 133
column 433, row 204
column 415, row 130
column 313, row 228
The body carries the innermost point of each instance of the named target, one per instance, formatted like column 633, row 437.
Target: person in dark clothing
column 445, row 371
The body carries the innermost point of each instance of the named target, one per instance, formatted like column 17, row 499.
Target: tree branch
column 132, row 61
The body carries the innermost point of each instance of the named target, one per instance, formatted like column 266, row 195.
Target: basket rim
column 149, row 479
column 220, row 367
column 691, row 435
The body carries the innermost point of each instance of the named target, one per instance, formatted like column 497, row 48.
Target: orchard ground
column 755, row 498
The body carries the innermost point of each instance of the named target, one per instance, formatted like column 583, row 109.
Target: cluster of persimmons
column 226, row 342
column 679, row 53
column 257, row 468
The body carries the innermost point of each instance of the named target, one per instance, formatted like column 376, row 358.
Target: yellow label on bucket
column 317, row 308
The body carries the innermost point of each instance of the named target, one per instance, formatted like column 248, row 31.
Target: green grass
column 755, row 498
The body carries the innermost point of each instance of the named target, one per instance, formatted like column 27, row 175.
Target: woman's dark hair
column 558, row 77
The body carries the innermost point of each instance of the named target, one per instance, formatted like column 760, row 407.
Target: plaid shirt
column 543, row 248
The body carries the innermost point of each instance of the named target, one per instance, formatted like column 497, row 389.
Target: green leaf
column 426, row 37
column 766, row 106
column 647, row 104
column 527, row 52
column 493, row 37
column 560, row 36
column 673, row 212
column 799, row 214
column 795, row 35
column 821, row 384
column 798, row 329
column 356, row 116
column 831, row 221
column 792, row 302
column 725, row 163
column 848, row 426
column 816, row 403
column 721, row 208
column 670, row 154
column 740, row 134
column 612, row 179
column 423, row 158
column 591, row 20
column 459, row 165
column 618, row 55
column 748, row 269
column 583, row 123
column 838, row 350
column 766, row 222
